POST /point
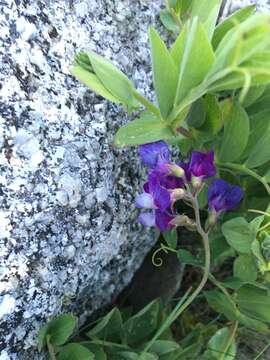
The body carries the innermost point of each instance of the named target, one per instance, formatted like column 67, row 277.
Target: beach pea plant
column 212, row 89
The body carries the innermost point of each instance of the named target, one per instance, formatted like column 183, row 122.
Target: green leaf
column 255, row 92
column 256, row 223
column 207, row 11
column 232, row 21
column 260, row 153
column 128, row 355
column 197, row 46
column 178, row 47
column 168, row 20
column 125, row 355
column 108, row 328
column 75, row 351
column 253, row 323
column 220, row 249
column 244, row 268
column 238, row 234
column 190, row 353
column 255, row 302
column 97, row 350
column 232, row 283
column 142, row 131
column 222, row 304
column 164, row 73
column 93, row 82
column 242, row 42
column 197, row 114
column 256, row 251
column 187, row 258
column 171, row 238
column 213, row 121
column 217, row 346
column 236, row 133
column 164, row 347
column 58, row 330
column 260, row 127
column 112, row 78
column 142, row 325
column 261, row 105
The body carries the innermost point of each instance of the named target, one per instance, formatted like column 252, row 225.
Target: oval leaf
column 142, row 131
column 109, row 327
column 58, row 330
column 236, row 133
column 244, row 268
column 238, row 234
column 164, row 73
column 217, row 346
column 75, row 351
column 92, row 81
column 142, row 325
column 112, row 78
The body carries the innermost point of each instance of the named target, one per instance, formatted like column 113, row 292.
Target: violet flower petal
column 222, row 196
column 163, row 220
column 144, row 201
column 161, row 196
column 154, row 154
column 147, row 219
column 202, row 164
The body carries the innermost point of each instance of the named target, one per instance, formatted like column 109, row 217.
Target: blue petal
column 154, row 154
column 235, row 195
column 147, row 219
column 145, row 201
column 223, row 196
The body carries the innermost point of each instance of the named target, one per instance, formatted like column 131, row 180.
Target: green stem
column 187, row 133
column 233, row 330
column 151, row 107
column 206, row 246
column 50, row 349
column 167, row 323
column 243, row 169
column 185, row 303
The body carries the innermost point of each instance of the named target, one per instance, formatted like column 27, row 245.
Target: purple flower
column 160, row 219
column 200, row 165
column 157, row 196
column 222, row 196
column 154, row 154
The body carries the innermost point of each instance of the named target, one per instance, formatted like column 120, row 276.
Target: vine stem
column 205, row 240
column 150, row 106
column 186, row 301
column 247, row 171
column 232, row 333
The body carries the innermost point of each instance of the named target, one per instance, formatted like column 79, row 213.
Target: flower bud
column 183, row 220
column 176, row 170
column 196, row 182
column 212, row 219
column 177, row 194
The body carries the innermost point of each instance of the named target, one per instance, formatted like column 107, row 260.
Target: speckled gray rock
column 68, row 235
column 233, row 5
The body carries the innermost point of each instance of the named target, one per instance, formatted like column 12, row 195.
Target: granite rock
column 68, row 234
column 233, row 5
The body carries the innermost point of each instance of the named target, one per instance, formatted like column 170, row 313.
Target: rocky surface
column 233, row 5
column 68, row 235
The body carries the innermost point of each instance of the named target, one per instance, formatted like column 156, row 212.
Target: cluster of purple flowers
column 166, row 184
